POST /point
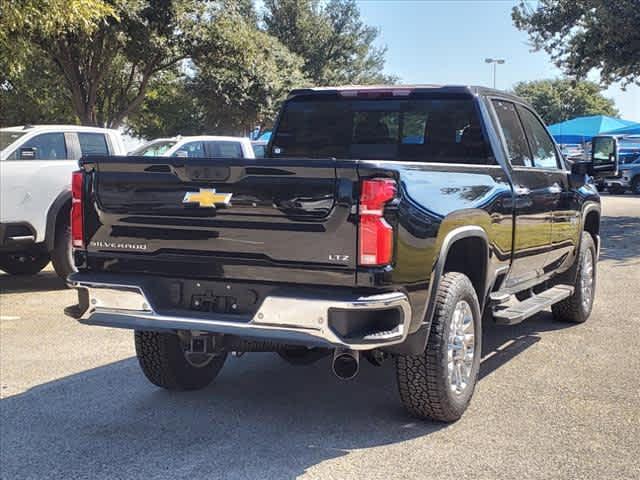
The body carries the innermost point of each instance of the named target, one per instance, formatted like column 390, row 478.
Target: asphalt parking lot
column 554, row 400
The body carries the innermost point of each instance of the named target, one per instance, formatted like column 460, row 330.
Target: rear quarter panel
column 435, row 200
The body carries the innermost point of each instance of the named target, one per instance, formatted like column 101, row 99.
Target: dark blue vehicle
column 384, row 223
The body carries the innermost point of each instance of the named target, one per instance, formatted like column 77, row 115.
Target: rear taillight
column 375, row 234
column 77, row 223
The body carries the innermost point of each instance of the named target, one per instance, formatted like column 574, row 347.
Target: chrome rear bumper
column 283, row 317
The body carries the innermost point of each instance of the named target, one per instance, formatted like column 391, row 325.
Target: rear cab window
column 442, row 129
column 93, row 143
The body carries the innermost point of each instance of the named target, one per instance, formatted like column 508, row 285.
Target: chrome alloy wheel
column 586, row 280
column 461, row 347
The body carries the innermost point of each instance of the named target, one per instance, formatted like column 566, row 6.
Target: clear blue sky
column 431, row 41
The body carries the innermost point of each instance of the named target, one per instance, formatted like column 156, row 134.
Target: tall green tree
column 562, row 99
column 170, row 108
column 336, row 45
column 586, row 35
column 106, row 71
column 244, row 75
column 33, row 93
column 231, row 86
column 46, row 18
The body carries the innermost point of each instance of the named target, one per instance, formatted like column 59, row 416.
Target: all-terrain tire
column 24, row 263
column 163, row 362
column 423, row 380
column 574, row 308
column 61, row 256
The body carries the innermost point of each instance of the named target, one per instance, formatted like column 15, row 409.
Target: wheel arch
column 457, row 238
column 591, row 214
column 61, row 204
column 459, row 253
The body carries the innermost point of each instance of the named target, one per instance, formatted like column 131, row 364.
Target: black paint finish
column 295, row 221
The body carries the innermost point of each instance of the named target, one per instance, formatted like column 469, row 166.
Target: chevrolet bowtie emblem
column 207, row 197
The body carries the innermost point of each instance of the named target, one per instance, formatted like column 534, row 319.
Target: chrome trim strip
column 284, row 314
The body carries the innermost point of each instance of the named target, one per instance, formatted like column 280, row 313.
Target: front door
column 565, row 229
column 33, row 176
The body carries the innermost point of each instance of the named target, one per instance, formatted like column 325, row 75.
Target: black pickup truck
column 385, row 223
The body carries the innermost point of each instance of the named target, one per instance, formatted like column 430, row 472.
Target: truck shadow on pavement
column 43, row 281
column 620, row 238
column 262, row 418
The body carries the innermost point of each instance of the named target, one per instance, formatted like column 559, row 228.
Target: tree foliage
column 166, row 67
column 237, row 82
column 244, row 75
column 336, row 45
column 46, row 18
column 106, row 70
column 562, row 99
column 169, row 109
column 33, row 93
column 585, row 35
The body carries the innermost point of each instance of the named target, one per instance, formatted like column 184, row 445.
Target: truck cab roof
column 405, row 90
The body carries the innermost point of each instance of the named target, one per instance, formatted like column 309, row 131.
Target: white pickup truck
column 35, row 192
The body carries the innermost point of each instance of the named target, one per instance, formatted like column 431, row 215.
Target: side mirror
column 580, row 168
column 181, row 153
column 28, row 153
column 604, row 157
column 579, row 174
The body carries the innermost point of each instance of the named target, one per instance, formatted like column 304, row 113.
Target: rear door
column 188, row 216
column 534, row 202
column 565, row 229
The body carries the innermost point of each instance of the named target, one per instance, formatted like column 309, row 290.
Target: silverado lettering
column 117, row 245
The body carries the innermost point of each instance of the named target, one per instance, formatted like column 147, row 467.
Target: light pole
column 495, row 62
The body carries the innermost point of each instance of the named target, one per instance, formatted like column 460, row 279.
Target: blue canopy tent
column 629, row 130
column 582, row 129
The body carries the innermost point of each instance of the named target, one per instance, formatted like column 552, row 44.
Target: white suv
column 35, row 180
column 197, row 146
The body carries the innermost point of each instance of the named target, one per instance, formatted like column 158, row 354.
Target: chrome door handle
column 555, row 188
column 521, row 191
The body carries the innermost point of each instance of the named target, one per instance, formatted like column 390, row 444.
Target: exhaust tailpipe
column 346, row 363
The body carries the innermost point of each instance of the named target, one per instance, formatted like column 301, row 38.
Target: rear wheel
column 635, row 185
column 439, row 383
column 578, row 306
column 166, row 363
column 62, row 254
column 23, row 263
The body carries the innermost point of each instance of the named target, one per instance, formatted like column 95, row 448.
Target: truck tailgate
column 211, row 217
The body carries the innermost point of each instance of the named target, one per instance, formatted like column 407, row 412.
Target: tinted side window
column 93, row 144
column 193, row 149
column 542, row 147
column 517, row 146
column 224, row 149
column 48, row 146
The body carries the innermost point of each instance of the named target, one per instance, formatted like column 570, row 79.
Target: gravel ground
column 554, row 400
